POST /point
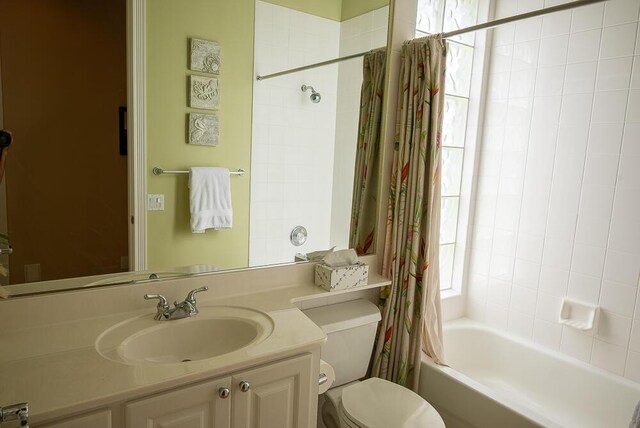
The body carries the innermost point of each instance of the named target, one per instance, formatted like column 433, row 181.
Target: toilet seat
column 345, row 420
column 379, row 403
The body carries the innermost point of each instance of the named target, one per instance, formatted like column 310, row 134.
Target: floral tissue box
column 340, row 278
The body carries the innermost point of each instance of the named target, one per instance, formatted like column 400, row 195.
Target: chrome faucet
column 184, row 309
column 19, row 412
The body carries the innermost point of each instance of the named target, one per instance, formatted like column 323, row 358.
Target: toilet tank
column 351, row 332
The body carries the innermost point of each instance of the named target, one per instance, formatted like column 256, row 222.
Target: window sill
column 452, row 304
column 449, row 293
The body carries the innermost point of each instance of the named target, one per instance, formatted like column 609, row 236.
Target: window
column 436, row 16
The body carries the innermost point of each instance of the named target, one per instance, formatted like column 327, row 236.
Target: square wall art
column 205, row 56
column 205, row 93
column 203, row 129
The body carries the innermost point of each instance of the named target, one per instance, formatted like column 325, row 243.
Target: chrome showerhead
column 315, row 96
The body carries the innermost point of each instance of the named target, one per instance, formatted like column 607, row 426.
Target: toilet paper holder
column 322, row 378
column 326, row 377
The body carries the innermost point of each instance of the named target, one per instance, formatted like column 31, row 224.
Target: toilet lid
column 379, row 403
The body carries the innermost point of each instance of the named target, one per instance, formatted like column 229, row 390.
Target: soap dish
column 579, row 315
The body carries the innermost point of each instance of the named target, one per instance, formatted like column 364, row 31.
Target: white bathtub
column 496, row 381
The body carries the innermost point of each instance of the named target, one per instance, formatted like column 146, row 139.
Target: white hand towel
column 210, row 199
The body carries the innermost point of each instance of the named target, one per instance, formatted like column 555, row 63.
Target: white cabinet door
column 278, row 396
column 198, row 406
column 99, row 419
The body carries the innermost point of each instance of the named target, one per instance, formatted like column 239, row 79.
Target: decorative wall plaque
column 203, row 129
column 205, row 56
column 205, row 93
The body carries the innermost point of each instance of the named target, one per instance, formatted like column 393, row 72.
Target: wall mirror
column 64, row 197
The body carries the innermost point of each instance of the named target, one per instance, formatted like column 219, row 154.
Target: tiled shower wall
column 293, row 139
column 558, row 189
column 303, row 154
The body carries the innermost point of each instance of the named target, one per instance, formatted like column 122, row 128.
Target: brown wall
column 63, row 78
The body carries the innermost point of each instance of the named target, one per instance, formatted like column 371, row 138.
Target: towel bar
column 158, row 171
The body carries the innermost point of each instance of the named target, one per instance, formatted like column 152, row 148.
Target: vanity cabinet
column 276, row 395
column 198, row 406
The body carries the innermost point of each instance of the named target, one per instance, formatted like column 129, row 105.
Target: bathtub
column 494, row 380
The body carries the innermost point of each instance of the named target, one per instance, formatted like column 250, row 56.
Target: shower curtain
column 411, row 320
column 364, row 206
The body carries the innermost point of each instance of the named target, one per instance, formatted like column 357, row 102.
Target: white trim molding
column 136, row 132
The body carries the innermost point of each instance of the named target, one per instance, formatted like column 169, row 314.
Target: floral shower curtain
column 364, row 206
column 411, row 320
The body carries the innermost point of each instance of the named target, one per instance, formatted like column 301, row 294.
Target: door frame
column 4, row 258
column 136, row 133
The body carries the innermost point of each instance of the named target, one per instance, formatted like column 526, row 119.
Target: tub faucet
column 185, row 309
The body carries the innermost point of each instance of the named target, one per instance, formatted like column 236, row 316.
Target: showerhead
column 315, row 96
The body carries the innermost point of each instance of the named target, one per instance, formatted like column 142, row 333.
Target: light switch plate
column 155, row 202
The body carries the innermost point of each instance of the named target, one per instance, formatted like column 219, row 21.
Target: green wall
column 170, row 24
column 337, row 10
column 353, row 8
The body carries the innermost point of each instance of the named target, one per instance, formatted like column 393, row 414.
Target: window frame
column 453, row 297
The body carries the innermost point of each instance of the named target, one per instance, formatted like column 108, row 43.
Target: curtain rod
column 483, row 26
column 306, row 67
column 526, row 15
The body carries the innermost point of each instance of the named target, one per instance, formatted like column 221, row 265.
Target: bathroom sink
column 214, row 332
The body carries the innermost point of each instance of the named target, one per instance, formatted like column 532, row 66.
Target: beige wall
column 63, row 78
column 170, row 25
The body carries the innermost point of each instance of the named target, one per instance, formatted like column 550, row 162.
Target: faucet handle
column 162, row 300
column 191, row 297
column 18, row 412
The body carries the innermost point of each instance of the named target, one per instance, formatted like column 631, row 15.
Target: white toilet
column 373, row 403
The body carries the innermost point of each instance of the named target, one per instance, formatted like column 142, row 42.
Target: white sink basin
column 215, row 331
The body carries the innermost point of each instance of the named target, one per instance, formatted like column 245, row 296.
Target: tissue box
column 340, row 278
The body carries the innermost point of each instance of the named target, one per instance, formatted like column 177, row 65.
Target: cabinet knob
column 245, row 386
column 224, row 392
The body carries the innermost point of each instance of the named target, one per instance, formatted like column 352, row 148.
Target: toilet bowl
column 373, row 403
column 377, row 403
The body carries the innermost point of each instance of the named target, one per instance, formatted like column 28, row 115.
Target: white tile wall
column 558, row 199
column 303, row 154
column 293, row 139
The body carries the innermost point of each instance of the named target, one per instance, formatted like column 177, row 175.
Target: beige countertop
column 58, row 371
